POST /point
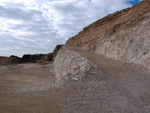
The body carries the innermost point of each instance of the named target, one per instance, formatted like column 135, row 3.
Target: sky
column 134, row 2
column 37, row 26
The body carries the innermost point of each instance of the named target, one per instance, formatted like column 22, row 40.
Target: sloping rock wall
column 73, row 66
column 123, row 36
column 128, row 45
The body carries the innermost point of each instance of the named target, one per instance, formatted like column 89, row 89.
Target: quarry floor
column 31, row 88
column 28, row 88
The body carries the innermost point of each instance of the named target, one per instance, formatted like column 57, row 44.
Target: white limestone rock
column 71, row 65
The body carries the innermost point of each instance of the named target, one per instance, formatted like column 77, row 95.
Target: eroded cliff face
column 123, row 36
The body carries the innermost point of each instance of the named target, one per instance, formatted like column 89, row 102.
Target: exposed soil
column 28, row 88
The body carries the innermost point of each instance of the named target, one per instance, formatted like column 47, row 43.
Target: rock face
column 57, row 48
column 122, row 36
column 71, row 65
column 36, row 57
column 41, row 57
column 10, row 60
column 45, row 57
column 28, row 58
column 3, row 60
column 14, row 60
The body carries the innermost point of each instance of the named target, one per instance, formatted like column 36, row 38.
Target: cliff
column 123, row 36
column 28, row 58
column 10, row 60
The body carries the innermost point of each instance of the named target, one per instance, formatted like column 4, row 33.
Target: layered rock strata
column 122, row 36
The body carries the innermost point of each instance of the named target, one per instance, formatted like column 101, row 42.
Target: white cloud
column 36, row 26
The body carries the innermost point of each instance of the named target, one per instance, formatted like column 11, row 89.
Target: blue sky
column 134, row 2
column 37, row 26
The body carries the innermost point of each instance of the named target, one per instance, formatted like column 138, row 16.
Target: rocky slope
column 122, row 36
column 73, row 66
